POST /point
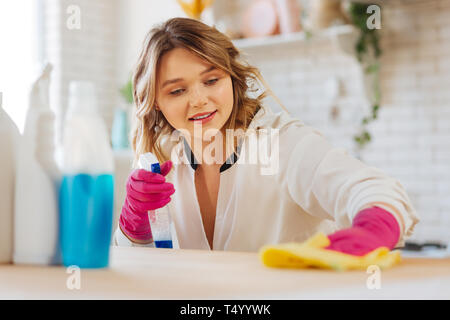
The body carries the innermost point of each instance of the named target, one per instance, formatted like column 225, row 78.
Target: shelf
column 337, row 32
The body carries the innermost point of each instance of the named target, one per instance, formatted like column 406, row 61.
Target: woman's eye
column 179, row 91
column 176, row 92
column 212, row 81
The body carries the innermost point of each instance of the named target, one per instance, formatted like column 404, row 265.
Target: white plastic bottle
column 9, row 137
column 87, row 189
column 36, row 225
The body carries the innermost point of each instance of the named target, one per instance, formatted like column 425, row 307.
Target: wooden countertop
column 149, row 273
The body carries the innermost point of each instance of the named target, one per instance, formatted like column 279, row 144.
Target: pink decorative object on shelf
column 260, row 19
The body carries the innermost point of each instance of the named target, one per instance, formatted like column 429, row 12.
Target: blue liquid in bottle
column 86, row 213
column 163, row 244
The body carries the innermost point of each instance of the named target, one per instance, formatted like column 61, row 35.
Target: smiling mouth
column 202, row 116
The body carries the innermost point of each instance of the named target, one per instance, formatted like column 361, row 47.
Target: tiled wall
column 411, row 138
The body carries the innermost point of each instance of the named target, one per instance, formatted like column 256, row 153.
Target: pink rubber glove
column 371, row 228
column 145, row 191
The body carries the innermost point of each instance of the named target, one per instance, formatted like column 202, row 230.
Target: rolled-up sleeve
column 329, row 183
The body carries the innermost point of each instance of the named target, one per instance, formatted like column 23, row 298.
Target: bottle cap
column 82, row 97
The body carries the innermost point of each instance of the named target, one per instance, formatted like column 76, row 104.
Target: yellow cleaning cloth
column 311, row 253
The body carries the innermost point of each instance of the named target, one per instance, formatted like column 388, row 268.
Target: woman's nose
column 198, row 98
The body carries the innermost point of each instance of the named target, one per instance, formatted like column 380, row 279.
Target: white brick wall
column 411, row 138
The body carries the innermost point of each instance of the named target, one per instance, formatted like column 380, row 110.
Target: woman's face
column 191, row 91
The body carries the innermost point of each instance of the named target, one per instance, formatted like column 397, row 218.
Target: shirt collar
column 232, row 159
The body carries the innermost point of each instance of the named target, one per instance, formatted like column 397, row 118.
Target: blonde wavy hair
column 211, row 45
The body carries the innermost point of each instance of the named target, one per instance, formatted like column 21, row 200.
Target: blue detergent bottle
column 160, row 221
column 87, row 189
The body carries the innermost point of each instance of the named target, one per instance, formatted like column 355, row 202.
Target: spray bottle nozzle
column 149, row 162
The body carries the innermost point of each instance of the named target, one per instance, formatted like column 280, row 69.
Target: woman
column 280, row 181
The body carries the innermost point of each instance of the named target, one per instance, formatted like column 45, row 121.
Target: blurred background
column 372, row 76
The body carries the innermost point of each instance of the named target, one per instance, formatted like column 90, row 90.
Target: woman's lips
column 203, row 117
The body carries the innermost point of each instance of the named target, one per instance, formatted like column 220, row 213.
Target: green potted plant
column 368, row 53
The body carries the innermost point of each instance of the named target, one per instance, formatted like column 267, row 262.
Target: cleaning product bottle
column 87, row 189
column 119, row 132
column 37, row 178
column 9, row 138
column 160, row 222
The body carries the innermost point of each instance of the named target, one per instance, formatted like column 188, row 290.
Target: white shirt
column 307, row 187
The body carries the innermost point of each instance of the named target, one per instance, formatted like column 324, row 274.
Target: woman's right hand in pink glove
column 145, row 191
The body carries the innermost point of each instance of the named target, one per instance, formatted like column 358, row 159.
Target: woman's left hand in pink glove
column 371, row 228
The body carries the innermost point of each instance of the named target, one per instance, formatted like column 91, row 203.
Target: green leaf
column 375, row 109
column 308, row 34
column 372, row 68
column 127, row 92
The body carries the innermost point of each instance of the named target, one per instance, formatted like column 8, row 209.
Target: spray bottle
column 9, row 137
column 36, row 207
column 160, row 222
column 87, row 190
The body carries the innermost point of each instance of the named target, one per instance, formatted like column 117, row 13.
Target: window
column 21, row 36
